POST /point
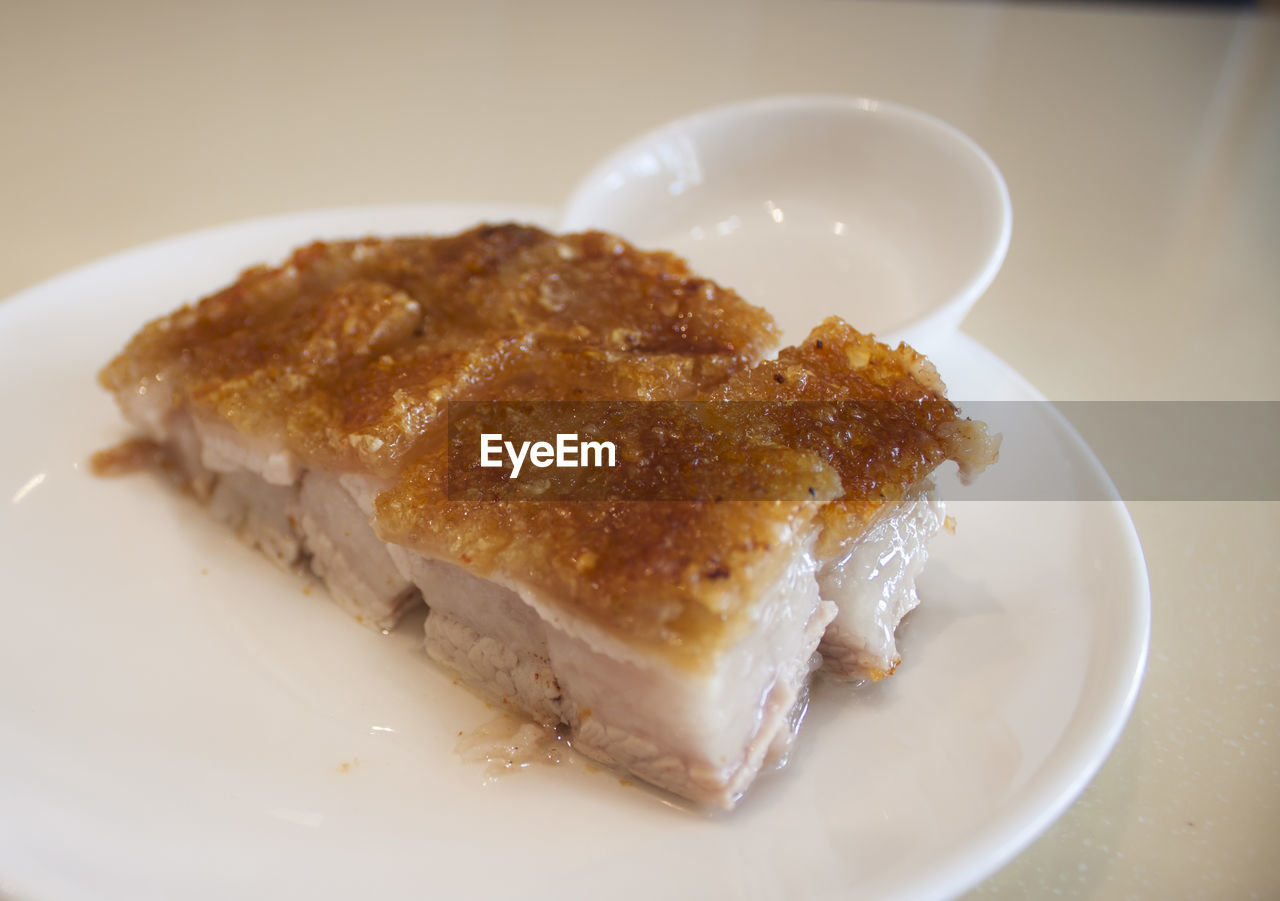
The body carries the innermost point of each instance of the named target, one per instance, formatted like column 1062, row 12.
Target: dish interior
column 809, row 205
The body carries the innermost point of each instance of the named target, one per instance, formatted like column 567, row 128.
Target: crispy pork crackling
column 307, row 404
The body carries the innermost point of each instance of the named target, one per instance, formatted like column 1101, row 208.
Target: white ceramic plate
column 180, row 719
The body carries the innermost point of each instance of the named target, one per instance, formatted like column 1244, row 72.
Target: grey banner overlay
column 1150, row 450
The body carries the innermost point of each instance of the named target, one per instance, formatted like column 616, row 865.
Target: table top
column 1141, row 146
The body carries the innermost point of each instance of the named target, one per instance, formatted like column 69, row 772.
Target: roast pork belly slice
column 486, row 634
column 702, row 735
column 261, row 514
column 873, row 583
column 347, row 555
column 293, row 515
column 316, row 518
column 308, row 404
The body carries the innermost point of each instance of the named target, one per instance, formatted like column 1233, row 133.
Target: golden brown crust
column 350, row 352
column 893, row 424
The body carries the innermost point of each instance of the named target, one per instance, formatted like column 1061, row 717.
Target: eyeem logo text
column 567, row 452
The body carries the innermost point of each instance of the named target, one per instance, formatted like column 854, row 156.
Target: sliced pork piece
column 308, row 405
column 873, row 583
column 880, row 417
column 703, row 733
column 487, row 634
column 260, row 512
column 346, row 553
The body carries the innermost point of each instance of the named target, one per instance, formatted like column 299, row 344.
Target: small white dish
column 813, row 205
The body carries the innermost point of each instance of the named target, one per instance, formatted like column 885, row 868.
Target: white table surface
column 1142, row 151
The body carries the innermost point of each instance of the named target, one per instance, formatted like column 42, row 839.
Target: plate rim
column 1044, row 807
